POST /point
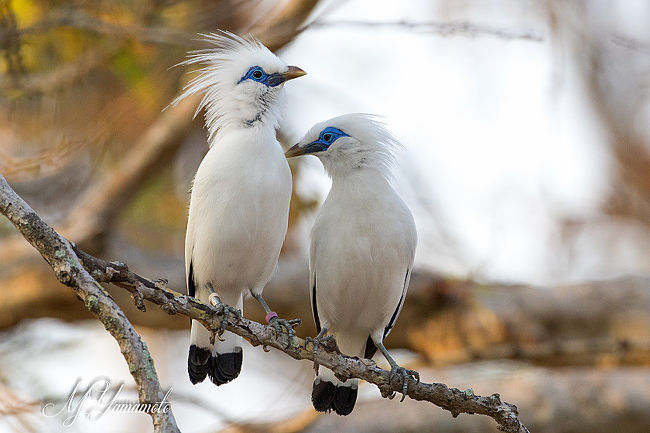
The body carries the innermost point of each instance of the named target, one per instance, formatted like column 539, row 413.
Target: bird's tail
column 329, row 393
column 220, row 361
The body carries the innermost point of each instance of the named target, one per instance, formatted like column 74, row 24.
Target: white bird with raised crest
column 362, row 249
column 239, row 206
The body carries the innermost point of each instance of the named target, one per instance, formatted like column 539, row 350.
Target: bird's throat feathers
column 242, row 112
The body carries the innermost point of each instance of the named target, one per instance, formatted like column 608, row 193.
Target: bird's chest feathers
column 243, row 178
column 244, row 163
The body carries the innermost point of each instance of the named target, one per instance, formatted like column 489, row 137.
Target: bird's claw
column 323, row 340
column 225, row 311
column 320, row 339
column 223, row 324
column 406, row 376
column 288, row 325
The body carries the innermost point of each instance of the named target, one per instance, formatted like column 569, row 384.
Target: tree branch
column 451, row 28
column 66, row 260
column 59, row 254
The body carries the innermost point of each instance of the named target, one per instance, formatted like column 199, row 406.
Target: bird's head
column 349, row 142
column 242, row 81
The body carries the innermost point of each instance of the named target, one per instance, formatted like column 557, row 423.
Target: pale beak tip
column 294, row 151
column 293, row 72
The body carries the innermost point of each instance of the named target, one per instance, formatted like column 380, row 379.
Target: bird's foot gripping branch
column 82, row 273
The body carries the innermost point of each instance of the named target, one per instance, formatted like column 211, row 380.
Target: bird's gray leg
column 273, row 319
column 396, row 369
column 318, row 340
column 224, row 310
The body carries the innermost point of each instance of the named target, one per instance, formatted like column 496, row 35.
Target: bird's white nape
column 227, row 100
column 367, row 144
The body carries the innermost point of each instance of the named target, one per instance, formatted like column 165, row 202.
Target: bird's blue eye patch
column 325, row 139
column 256, row 73
column 330, row 134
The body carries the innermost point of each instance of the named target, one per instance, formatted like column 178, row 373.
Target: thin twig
column 631, row 43
column 452, row 28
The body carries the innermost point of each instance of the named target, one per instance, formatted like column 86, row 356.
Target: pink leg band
column 270, row 316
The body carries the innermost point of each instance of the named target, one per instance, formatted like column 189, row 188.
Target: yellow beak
column 293, row 72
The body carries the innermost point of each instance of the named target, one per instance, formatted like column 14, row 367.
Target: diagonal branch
column 59, row 254
column 66, row 261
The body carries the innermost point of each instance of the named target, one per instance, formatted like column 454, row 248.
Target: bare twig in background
column 631, row 43
column 67, row 265
column 454, row 28
column 59, row 254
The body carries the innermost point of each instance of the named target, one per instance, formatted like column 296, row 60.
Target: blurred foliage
column 156, row 219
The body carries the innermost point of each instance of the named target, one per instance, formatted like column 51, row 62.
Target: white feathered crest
column 221, row 69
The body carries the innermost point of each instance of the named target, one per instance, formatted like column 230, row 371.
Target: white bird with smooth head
column 362, row 249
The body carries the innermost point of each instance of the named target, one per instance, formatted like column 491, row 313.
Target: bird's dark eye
column 257, row 74
column 327, row 137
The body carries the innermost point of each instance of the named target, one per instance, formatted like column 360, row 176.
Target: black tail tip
column 322, row 395
column 325, row 396
column 198, row 363
column 344, row 401
column 225, row 367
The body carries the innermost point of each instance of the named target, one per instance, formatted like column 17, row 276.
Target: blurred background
column 526, row 127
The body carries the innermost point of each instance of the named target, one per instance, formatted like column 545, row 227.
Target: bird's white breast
column 363, row 242
column 239, row 210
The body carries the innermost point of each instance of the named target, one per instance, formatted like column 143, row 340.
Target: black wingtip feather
column 370, row 350
column 225, row 367
column 322, row 395
column 191, row 284
column 344, row 401
column 198, row 361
